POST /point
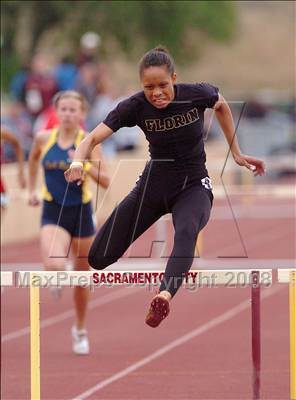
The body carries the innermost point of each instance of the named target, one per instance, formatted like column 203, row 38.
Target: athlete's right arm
column 33, row 165
column 83, row 151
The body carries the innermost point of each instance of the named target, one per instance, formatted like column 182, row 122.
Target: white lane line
column 231, row 313
column 108, row 298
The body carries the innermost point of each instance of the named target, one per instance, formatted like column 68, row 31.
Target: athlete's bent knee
column 99, row 261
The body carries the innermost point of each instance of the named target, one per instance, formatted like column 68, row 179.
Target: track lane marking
column 101, row 301
column 226, row 316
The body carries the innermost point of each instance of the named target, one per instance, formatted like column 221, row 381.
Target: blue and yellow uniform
column 65, row 204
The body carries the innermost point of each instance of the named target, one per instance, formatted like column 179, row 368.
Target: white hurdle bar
column 200, row 278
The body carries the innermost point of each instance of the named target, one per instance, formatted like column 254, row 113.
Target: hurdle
column 289, row 276
column 35, row 280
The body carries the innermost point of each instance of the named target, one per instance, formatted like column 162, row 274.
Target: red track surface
column 215, row 364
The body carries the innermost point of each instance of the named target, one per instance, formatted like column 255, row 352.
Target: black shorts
column 77, row 220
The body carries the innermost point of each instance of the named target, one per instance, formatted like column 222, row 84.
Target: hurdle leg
column 256, row 339
column 35, row 339
column 292, row 306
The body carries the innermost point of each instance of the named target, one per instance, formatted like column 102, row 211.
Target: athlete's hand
column 75, row 173
column 33, row 200
column 253, row 164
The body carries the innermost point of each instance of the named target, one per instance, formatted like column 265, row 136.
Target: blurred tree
column 135, row 25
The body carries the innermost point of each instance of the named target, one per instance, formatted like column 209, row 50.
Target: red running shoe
column 159, row 310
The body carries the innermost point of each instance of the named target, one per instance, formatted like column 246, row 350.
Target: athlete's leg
column 127, row 222
column 80, row 249
column 55, row 247
column 190, row 212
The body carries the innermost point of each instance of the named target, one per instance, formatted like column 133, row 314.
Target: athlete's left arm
column 224, row 116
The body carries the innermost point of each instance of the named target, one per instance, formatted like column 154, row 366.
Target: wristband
column 76, row 164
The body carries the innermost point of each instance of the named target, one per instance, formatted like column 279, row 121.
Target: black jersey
column 175, row 132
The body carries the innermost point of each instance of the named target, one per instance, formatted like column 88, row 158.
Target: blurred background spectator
column 89, row 44
column 17, row 85
column 40, row 85
column 87, row 81
column 66, row 74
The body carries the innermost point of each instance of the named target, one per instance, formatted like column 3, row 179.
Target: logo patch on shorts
column 207, row 183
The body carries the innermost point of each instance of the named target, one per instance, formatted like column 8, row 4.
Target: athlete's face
column 158, row 86
column 69, row 112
